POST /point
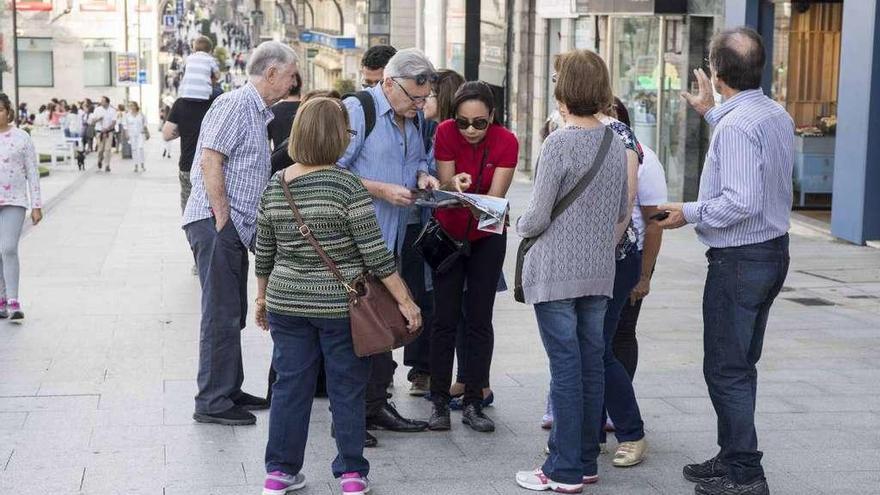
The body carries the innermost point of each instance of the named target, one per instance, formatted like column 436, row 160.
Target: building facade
column 82, row 49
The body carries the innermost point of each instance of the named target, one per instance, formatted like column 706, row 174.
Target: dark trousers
column 223, row 269
column 417, row 355
column 381, row 375
column 620, row 398
column 740, row 288
column 481, row 271
column 299, row 345
column 626, row 344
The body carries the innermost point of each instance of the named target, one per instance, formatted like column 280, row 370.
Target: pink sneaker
column 16, row 314
column 538, row 481
column 278, row 483
column 354, row 484
column 590, row 480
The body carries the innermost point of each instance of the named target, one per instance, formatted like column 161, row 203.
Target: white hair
column 409, row 63
column 270, row 53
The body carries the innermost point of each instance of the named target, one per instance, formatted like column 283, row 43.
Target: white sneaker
column 537, row 481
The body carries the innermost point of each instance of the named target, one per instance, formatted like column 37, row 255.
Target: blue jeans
column 299, row 344
column 620, row 398
column 571, row 330
column 740, row 288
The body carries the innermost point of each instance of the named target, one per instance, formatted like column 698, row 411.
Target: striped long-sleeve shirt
column 746, row 185
column 339, row 212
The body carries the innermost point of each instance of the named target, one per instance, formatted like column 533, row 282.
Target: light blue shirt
column 387, row 155
column 745, row 188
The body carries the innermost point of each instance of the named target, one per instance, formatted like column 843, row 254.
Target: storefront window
column 455, row 32
column 636, row 72
column 493, row 42
column 35, row 66
column 675, row 70
column 98, row 62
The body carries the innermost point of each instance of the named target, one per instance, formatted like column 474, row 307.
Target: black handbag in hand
column 439, row 249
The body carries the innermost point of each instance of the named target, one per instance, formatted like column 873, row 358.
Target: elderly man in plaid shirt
column 230, row 172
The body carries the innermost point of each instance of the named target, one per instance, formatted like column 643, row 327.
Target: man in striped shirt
column 742, row 214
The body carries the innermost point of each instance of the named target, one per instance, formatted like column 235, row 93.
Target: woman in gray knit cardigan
column 568, row 273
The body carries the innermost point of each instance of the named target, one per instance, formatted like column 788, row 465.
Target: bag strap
column 306, row 232
column 588, row 177
column 477, row 189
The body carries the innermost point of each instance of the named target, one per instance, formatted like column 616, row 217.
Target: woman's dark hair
column 448, row 83
column 42, row 108
column 475, row 90
column 4, row 101
column 737, row 57
column 377, row 57
column 621, row 111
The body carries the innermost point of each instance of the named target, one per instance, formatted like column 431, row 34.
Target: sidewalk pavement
column 96, row 387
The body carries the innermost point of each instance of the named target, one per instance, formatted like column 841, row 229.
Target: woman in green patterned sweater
column 306, row 308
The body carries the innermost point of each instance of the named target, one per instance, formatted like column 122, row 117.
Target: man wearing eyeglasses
column 373, row 64
column 391, row 160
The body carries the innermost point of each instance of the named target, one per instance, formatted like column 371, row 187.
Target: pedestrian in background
column 231, row 172
column 391, row 161
column 373, row 64
column 742, row 215
column 21, row 190
column 200, row 71
column 620, row 398
column 306, row 308
column 568, row 274
column 104, row 120
column 137, row 131
column 474, row 153
column 651, row 192
column 285, row 111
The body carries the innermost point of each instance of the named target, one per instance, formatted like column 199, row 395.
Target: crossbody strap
column 306, row 232
column 588, row 177
column 479, row 183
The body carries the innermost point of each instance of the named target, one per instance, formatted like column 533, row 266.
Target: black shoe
column 440, row 417
column 473, row 416
column 710, row 470
column 369, row 441
column 249, row 402
column 234, row 416
column 726, row 486
column 389, row 419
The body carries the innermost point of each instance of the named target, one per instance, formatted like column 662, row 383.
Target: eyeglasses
column 554, row 77
column 478, row 123
column 352, row 132
column 418, row 100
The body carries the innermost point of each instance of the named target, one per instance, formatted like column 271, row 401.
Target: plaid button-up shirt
column 236, row 127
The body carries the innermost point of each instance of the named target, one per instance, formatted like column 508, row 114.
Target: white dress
column 135, row 125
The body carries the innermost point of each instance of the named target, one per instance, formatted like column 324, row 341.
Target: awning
column 328, row 62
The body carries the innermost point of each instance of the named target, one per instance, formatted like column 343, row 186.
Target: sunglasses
column 478, row 123
column 418, row 100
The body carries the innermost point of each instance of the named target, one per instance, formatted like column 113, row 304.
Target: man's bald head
column 737, row 57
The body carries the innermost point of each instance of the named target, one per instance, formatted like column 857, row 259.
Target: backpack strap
column 369, row 107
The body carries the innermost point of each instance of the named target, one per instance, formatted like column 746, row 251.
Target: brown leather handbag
column 377, row 325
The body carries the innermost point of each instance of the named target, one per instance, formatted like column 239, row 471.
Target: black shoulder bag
column 439, row 249
column 560, row 206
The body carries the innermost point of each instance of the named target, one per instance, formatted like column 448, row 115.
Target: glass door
column 636, row 72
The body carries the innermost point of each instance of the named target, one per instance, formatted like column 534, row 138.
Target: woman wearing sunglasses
column 474, row 154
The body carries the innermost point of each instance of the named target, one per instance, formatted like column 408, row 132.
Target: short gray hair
column 270, row 53
column 409, row 63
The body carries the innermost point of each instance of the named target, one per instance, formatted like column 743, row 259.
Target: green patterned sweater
column 339, row 211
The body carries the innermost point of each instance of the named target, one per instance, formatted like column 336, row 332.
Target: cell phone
column 659, row 217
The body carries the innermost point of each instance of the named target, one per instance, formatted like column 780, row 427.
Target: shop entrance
column 805, row 74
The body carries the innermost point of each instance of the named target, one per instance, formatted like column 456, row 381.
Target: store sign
column 126, row 69
column 169, row 22
column 556, row 9
column 335, row 42
column 142, row 77
column 631, row 6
